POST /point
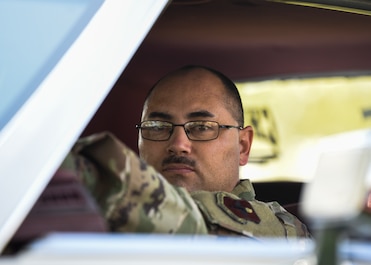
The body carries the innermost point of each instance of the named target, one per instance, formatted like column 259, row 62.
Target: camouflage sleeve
column 131, row 194
column 293, row 226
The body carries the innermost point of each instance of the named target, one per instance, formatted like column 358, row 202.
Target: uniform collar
column 244, row 190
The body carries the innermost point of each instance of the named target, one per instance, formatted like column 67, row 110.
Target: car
column 303, row 70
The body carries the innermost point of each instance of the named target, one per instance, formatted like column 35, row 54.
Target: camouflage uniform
column 135, row 198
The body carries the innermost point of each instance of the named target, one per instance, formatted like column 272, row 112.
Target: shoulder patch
column 240, row 210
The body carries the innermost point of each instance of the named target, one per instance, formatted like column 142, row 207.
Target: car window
column 291, row 115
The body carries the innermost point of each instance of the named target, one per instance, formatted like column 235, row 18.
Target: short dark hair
column 233, row 101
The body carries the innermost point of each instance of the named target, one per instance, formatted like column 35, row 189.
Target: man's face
column 195, row 165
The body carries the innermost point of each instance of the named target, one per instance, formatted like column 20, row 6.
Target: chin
column 179, row 183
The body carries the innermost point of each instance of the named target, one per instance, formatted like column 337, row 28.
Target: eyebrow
column 200, row 114
column 192, row 115
column 160, row 115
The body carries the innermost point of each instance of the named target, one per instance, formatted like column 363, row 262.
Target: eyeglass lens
column 195, row 130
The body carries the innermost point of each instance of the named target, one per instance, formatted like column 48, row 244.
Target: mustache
column 178, row 160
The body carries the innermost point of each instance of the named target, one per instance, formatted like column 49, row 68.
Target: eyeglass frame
column 173, row 125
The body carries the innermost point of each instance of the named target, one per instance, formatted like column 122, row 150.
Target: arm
column 131, row 194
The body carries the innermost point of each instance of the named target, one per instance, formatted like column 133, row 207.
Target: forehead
column 182, row 94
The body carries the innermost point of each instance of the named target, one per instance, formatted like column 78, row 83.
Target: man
column 192, row 133
column 206, row 153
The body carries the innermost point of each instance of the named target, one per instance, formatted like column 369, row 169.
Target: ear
column 246, row 136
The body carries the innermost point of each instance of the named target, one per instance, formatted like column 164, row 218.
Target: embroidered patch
column 240, row 210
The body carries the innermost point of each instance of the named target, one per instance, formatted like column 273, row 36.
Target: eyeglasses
column 195, row 130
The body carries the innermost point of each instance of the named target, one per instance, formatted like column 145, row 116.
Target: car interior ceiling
column 245, row 39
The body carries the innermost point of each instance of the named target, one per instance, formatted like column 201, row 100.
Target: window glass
column 35, row 36
column 290, row 116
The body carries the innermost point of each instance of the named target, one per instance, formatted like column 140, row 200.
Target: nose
column 179, row 142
